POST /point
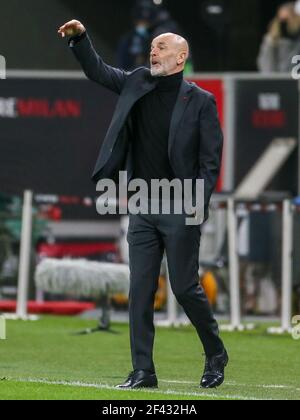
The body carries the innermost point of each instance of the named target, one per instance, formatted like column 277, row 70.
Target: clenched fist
column 71, row 28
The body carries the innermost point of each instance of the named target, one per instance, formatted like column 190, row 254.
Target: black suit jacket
column 195, row 138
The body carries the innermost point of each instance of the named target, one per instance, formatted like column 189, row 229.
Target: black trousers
column 148, row 236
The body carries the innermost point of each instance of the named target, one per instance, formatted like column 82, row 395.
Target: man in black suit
column 163, row 128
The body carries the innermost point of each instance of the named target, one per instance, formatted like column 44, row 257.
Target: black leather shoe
column 139, row 379
column 214, row 370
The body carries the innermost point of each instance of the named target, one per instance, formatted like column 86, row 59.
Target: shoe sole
column 214, row 386
column 140, row 386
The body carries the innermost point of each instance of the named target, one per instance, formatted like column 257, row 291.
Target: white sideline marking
column 109, row 387
column 235, row 384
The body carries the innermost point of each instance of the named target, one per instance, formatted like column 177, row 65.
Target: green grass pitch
column 44, row 360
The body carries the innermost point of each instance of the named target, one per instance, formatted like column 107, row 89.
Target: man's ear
column 181, row 58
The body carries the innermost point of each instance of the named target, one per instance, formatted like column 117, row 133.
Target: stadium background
column 54, row 118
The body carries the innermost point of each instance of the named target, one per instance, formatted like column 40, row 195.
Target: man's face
column 163, row 56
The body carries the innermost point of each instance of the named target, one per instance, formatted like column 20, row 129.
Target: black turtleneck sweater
column 151, row 121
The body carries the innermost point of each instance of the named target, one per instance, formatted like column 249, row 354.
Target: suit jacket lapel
column 142, row 89
column 180, row 106
column 127, row 100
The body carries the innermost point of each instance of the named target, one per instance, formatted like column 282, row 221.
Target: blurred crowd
column 279, row 44
column 282, row 41
column 149, row 21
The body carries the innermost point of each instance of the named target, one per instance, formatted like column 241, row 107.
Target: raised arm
column 90, row 61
